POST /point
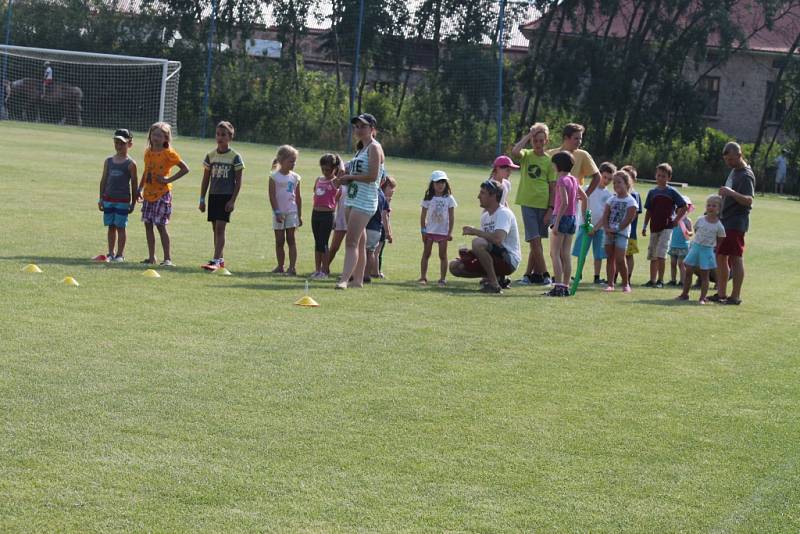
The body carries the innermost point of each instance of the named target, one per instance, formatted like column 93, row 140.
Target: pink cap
column 504, row 161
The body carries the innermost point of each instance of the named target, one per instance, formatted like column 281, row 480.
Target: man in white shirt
column 495, row 250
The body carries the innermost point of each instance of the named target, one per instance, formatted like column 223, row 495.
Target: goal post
column 87, row 89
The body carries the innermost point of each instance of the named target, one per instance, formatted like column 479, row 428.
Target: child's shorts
column 340, row 221
column 678, row 253
column 157, row 212
column 216, row 208
column 598, row 252
column 115, row 214
column 701, row 256
column 567, row 224
column 373, row 238
column 633, row 247
column 618, row 240
column 659, row 243
column 290, row 220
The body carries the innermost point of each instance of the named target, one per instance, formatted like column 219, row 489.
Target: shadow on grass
column 72, row 262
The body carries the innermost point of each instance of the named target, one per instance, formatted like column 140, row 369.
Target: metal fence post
column 500, row 29
column 354, row 76
column 209, row 63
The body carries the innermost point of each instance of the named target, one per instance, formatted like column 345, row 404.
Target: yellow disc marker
column 31, row 268
column 224, row 272
column 307, row 301
column 68, row 280
column 151, row 273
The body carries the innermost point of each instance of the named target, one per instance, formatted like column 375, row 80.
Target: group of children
column 121, row 190
column 614, row 213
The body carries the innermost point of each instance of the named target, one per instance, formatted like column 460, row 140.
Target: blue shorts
column 535, row 225
column 115, row 214
column 701, row 256
column 598, row 252
column 567, row 224
column 618, row 240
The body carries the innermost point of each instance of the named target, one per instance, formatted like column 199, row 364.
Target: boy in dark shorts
column 222, row 179
column 117, row 195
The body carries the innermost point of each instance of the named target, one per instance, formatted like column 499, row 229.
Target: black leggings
column 321, row 226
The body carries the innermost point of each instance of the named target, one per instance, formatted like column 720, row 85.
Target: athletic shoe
column 659, row 285
column 546, row 280
column 148, row 261
column 167, row 263
column 733, row 301
column 525, row 280
column 504, row 282
column 101, row 258
column 213, row 265
column 609, row 289
column 716, row 298
column 277, row 270
column 672, row 283
column 627, row 289
column 649, row 283
column 119, row 258
column 600, row 281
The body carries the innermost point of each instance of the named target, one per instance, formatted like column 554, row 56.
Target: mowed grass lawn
column 197, row 402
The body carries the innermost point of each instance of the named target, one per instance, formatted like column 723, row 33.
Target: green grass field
column 197, row 402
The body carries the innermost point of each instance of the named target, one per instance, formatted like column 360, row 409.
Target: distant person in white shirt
column 780, row 171
column 47, row 79
column 495, row 250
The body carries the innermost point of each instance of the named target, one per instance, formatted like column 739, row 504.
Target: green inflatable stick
column 585, row 244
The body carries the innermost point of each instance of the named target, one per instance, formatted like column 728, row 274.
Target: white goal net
column 87, row 89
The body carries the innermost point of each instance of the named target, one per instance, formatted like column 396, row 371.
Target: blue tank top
column 678, row 240
column 118, row 181
column 363, row 195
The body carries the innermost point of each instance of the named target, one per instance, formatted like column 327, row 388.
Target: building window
column 709, row 87
column 776, row 111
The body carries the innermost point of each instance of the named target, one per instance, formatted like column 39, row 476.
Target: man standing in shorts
column 495, row 249
column 737, row 201
column 535, row 195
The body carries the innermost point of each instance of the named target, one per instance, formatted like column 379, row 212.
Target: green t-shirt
column 536, row 172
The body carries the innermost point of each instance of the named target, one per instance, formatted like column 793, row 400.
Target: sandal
column 442, row 283
column 423, row 281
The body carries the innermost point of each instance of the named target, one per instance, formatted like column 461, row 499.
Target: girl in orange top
column 155, row 189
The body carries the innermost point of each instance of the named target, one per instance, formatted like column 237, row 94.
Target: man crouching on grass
column 495, row 249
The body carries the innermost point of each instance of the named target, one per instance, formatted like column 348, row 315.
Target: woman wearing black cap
column 363, row 178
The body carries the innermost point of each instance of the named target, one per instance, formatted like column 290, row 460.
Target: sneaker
column 733, row 301
column 546, row 280
column 101, row 258
column 609, row 289
column 672, row 283
column 442, row 283
column 537, row 279
column 627, row 289
column 167, row 263
column 683, row 297
column 649, row 283
column 277, row 270
column 716, row 298
column 148, row 261
column 525, row 280
column 599, row 281
column 504, row 282
column 557, row 291
column 119, row 258
column 367, row 279
column 212, row 265
column 659, row 285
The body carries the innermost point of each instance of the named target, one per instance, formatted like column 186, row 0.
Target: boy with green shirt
column 535, row 195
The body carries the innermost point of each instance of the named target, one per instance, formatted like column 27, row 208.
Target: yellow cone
column 68, row 280
column 307, row 302
column 151, row 273
column 31, row 268
column 224, row 272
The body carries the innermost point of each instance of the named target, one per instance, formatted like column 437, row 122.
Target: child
column 388, row 187
column 155, row 189
column 339, row 223
column 436, row 221
column 708, row 234
column 501, row 172
column 284, row 197
column 564, row 223
column 118, row 195
column 661, row 205
column 597, row 205
column 374, row 230
column 679, row 246
column 633, row 245
column 619, row 212
column 322, row 214
column 223, row 172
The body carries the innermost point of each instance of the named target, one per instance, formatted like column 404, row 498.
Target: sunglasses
column 490, row 185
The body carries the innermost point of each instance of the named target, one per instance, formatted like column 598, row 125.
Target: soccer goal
column 87, row 89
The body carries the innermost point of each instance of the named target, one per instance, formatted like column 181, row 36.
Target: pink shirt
column 570, row 184
column 324, row 194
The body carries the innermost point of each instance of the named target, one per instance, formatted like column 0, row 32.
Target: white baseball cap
column 438, row 176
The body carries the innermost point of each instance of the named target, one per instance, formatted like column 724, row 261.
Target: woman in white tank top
column 362, row 178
